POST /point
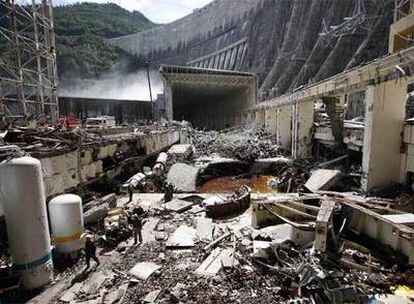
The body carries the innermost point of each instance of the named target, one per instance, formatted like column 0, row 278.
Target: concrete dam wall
column 287, row 43
column 205, row 30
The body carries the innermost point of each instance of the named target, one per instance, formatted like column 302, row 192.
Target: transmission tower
column 403, row 8
column 28, row 73
column 349, row 26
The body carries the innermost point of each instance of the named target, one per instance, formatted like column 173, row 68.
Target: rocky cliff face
column 285, row 47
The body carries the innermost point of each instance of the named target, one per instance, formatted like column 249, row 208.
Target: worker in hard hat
column 90, row 251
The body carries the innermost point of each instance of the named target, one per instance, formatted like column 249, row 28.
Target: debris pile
column 53, row 139
column 243, row 144
column 302, row 243
column 186, row 256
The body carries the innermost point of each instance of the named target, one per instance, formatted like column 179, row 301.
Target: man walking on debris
column 90, row 251
column 131, row 193
column 168, row 193
column 137, row 222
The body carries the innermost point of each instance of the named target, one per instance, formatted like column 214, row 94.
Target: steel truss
column 28, row 73
column 403, row 8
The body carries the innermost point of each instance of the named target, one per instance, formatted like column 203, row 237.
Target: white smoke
column 114, row 85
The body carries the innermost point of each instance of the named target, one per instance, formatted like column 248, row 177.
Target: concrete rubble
column 143, row 270
column 322, row 180
column 183, row 177
column 246, row 264
column 243, row 144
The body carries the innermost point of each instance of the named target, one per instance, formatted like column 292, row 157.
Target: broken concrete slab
column 178, row 205
column 322, row 179
column 183, row 237
column 211, row 265
column 180, row 153
column 177, row 291
column 204, row 228
column 109, row 199
column 322, row 225
column 283, row 232
column 151, row 297
column 405, row 218
column 90, row 205
column 390, row 299
column 196, row 209
column 144, row 270
column 70, row 294
column 183, row 177
column 96, row 214
column 261, row 249
column 93, row 284
column 144, row 200
column 214, row 262
column 229, row 261
column 116, row 296
column 149, row 230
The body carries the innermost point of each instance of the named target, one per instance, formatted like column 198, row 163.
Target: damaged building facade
column 365, row 110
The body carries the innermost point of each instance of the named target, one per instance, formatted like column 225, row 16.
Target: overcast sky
column 160, row 11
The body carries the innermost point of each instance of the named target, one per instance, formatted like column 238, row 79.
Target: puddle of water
column 228, row 184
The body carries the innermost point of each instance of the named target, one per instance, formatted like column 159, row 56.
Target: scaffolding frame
column 28, row 71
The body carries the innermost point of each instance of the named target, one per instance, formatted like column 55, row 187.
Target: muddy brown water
column 228, row 184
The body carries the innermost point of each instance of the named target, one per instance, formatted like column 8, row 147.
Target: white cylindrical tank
column 66, row 222
column 23, row 197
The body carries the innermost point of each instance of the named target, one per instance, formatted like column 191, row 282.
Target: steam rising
column 115, row 85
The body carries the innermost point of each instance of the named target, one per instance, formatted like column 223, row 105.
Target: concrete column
column 169, row 114
column 271, row 117
column 243, row 118
column 342, row 101
column 260, row 118
column 305, row 129
column 278, row 126
column 284, row 126
column 335, row 109
column 384, row 118
column 295, row 125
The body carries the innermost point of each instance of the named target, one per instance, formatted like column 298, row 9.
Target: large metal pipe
column 160, row 164
column 135, row 180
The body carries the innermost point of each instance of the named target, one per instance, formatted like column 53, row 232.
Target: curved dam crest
column 278, row 40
